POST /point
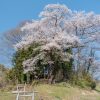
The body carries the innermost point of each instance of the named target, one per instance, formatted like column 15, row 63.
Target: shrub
column 93, row 85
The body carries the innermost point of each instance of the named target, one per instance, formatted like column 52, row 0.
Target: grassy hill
column 58, row 92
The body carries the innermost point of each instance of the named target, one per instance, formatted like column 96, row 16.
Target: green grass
column 58, row 92
column 7, row 96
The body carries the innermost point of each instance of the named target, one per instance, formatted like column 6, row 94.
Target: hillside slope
column 57, row 92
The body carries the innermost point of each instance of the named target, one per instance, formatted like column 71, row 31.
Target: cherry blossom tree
column 57, row 30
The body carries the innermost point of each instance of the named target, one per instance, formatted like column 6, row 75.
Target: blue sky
column 12, row 12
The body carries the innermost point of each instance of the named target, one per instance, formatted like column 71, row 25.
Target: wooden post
column 24, row 90
column 33, row 96
column 17, row 98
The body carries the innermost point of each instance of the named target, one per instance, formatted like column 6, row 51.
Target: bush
column 86, row 81
column 93, row 85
